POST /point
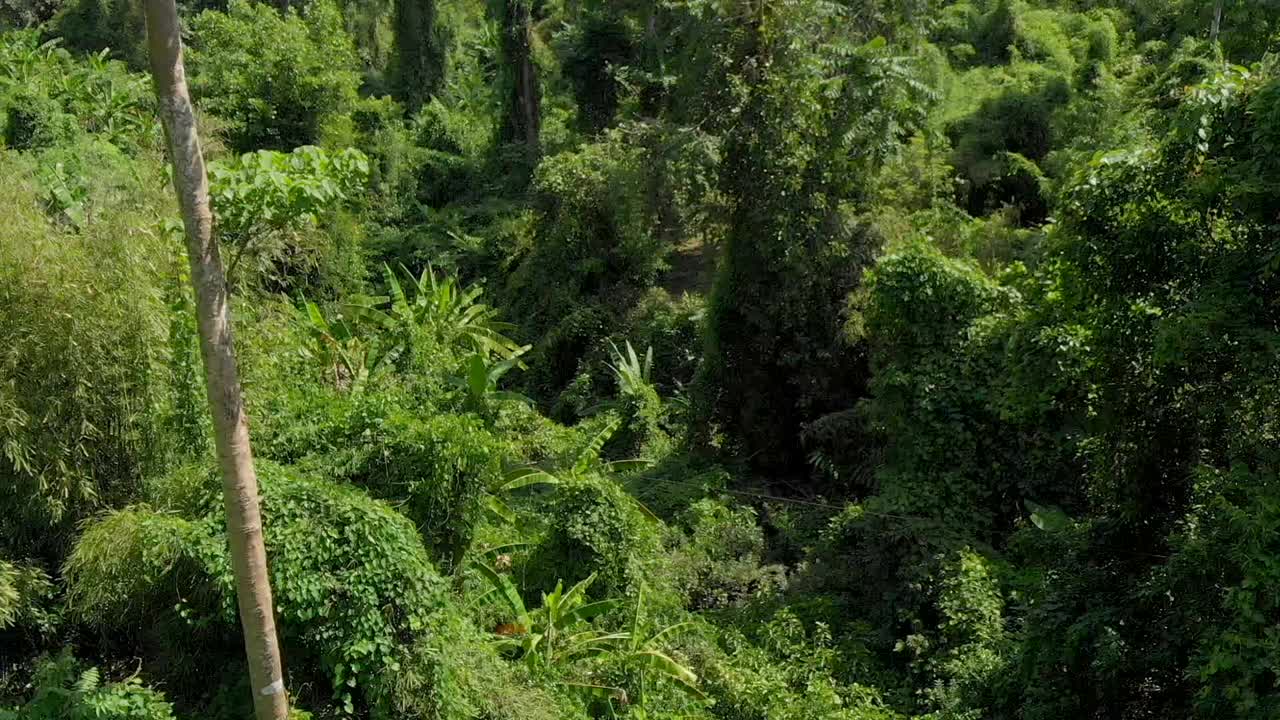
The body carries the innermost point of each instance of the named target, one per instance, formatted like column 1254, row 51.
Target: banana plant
column 352, row 360
column 631, row 371
column 479, row 381
column 552, row 635
column 449, row 312
column 587, row 462
column 643, row 657
column 643, row 654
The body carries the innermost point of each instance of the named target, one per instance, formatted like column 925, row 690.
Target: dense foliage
column 680, row 360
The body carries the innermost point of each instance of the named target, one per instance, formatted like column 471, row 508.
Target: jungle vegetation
column 650, row 359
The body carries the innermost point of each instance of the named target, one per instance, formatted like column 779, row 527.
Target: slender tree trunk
column 231, row 428
column 524, row 120
column 1217, row 23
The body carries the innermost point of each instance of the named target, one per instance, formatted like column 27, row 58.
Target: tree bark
column 230, row 425
column 419, row 61
column 524, row 120
column 1217, row 23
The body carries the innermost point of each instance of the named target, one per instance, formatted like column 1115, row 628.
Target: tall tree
column 226, row 403
column 419, row 52
column 818, row 114
column 523, row 122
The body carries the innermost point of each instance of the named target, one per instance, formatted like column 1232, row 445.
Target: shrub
column 962, row 443
column 593, row 526
column 438, row 468
column 601, row 237
column 721, row 563
column 996, row 31
column 279, row 81
column 534, row 438
column 114, row 26
column 33, row 121
column 276, row 216
column 1015, row 120
column 669, row 328
column 962, row 664
column 83, row 329
column 787, row 675
column 673, row 328
column 592, row 234
column 350, row 576
column 352, row 582
column 594, row 50
column 47, row 95
column 455, row 673
column 63, row 691
column 1232, row 549
column 27, row 13
column 116, row 563
column 795, row 161
column 25, row 592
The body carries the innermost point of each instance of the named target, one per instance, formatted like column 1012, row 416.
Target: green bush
column 437, row 468
column 670, row 328
column 962, row 443
column 996, row 31
column 27, row 13
column 63, row 691
column 969, row 654
column 350, row 576
column 279, row 81
column 1232, row 548
column 673, row 328
column 114, row 26
column 593, row 50
column 1015, row 120
column 352, row 582
column 455, row 673
column 795, row 163
column 25, row 602
column 593, row 527
column 787, row 675
column 534, row 438
column 601, row 237
column 592, row 233
column 722, row 562
column 113, row 568
column 33, row 121
column 47, row 96
column 279, row 216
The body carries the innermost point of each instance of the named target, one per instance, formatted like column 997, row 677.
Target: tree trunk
column 418, row 71
column 524, row 120
column 231, row 428
column 1217, row 23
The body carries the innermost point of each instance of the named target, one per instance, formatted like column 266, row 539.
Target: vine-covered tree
column 522, row 121
column 419, row 52
column 808, row 131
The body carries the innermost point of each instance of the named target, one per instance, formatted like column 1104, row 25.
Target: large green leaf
column 590, row 453
column 584, row 613
column 524, row 477
column 664, row 665
column 506, row 590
